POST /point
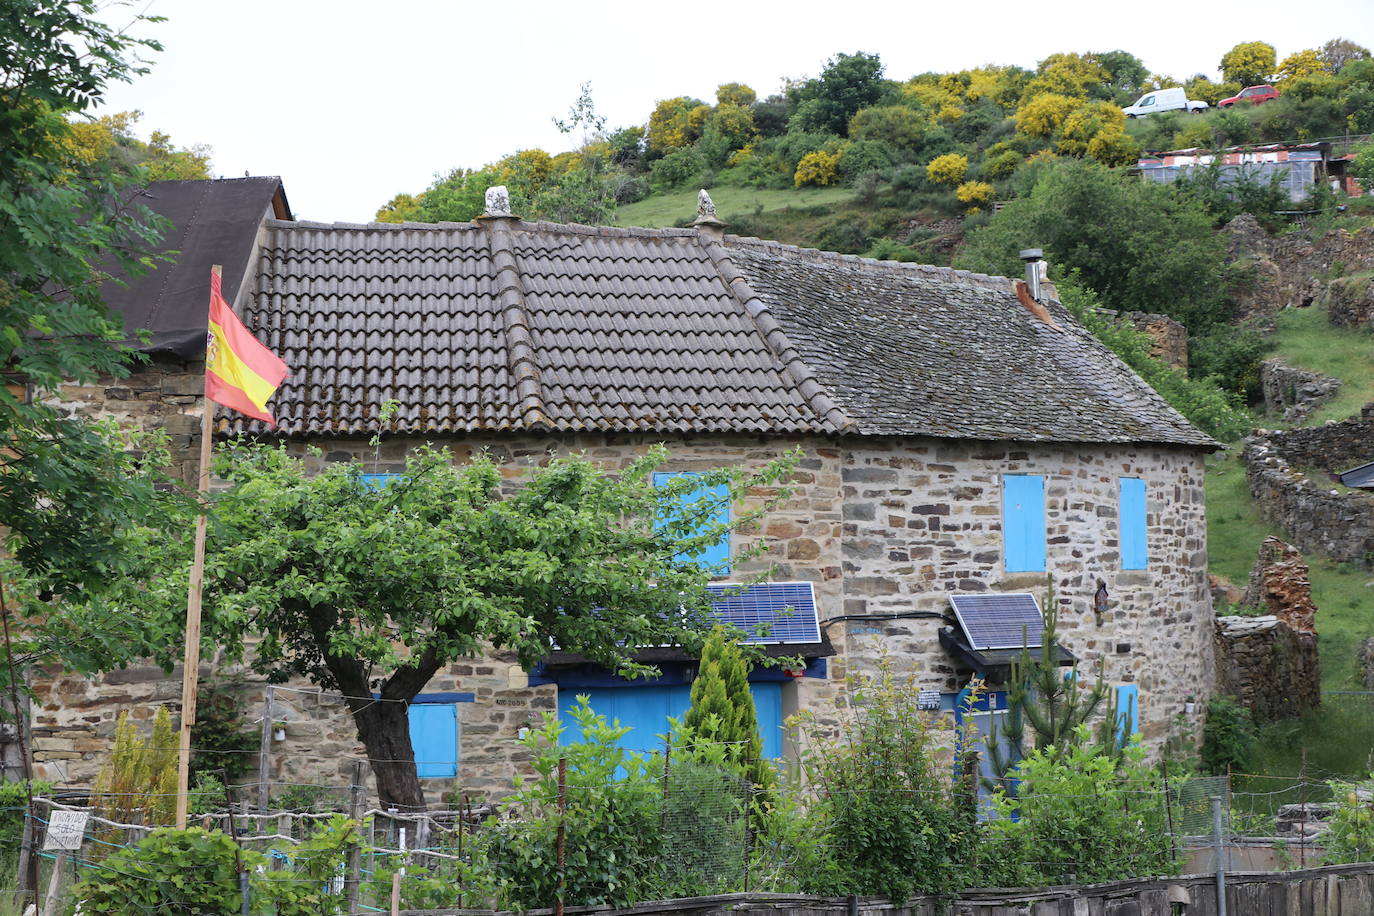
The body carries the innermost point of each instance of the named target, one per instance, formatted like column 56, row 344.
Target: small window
column 1148, row 100
column 716, row 556
column 1023, row 522
column 1134, row 548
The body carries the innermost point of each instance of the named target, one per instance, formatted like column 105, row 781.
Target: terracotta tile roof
column 507, row 325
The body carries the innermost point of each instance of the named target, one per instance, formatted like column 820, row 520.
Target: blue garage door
column 646, row 710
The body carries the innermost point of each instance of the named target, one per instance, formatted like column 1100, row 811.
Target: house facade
column 961, row 437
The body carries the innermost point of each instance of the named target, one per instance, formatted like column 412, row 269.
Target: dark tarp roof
column 213, row 222
column 511, row 325
column 1361, row 477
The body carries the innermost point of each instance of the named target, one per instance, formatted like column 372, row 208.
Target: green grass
column 680, row 207
column 1344, row 595
column 1306, row 339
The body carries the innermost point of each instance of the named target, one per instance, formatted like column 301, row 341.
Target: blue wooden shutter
column 718, row 554
column 434, row 737
column 1134, row 552
column 1023, row 522
column 378, row 481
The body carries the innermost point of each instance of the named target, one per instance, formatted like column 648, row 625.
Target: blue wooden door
column 646, row 711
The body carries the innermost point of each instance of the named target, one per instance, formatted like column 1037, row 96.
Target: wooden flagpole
column 190, row 669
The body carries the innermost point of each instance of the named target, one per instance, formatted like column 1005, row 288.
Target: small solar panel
column 776, row 612
column 1000, row 621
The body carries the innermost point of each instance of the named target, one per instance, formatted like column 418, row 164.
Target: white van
column 1163, row 100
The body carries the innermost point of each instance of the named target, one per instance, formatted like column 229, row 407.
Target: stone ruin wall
column 1295, row 270
column 1316, row 515
column 1270, row 663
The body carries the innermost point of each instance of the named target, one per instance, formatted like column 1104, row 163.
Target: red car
column 1255, row 94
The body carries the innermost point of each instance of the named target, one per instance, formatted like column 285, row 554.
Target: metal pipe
column 1218, row 839
column 1035, row 259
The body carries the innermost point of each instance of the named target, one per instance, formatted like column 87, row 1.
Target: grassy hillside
column 1308, row 340
column 679, row 207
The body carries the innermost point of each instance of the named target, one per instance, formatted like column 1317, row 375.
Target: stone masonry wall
column 1270, row 668
column 1315, row 515
column 879, row 526
column 923, row 521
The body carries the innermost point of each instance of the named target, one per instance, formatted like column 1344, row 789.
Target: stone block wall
column 1269, row 667
column 1350, row 301
column 1315, row 515
column 879, row 526
column 923, row 521
column 1168, row 338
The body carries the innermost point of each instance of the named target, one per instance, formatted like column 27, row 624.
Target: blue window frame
column 434, row 733
column 1134, row 547
column 717, row 556
column 646, row 710
column 377, row 481
column 1023, row 522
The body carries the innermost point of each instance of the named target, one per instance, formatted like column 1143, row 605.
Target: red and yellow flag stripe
column 240, row 372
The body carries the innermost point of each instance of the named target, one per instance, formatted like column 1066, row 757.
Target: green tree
column 735, row 94
column 1126, row 73
column 1055, row 704
column 1338, row 52
column 722, row 710
column 362, row 589
column 901, row 127
column 1248, row 63
column 1140, row 245
column 848, row 83
column 72, row 493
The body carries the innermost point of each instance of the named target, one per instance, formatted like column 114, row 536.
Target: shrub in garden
column 139, row 782
column 612, row 825
column 1081, row 816
column 1228, row 737
column 892, row 819
column 947, row 169
column 1350, row 833
column 722, row 711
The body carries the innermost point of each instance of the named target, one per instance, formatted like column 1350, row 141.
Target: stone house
column 962, row 435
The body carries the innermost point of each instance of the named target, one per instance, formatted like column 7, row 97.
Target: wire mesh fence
column 689, row 829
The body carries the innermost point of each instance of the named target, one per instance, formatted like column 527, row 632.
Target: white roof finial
column 706, row 208
column 498, row 201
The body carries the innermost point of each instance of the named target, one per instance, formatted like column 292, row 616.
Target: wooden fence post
column 562, row 836
column 355, row 850
column 265, row 750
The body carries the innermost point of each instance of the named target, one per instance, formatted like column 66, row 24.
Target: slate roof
column 212, row 222
column 509, row 325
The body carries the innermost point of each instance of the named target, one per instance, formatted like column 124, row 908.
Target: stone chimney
column 707, row 223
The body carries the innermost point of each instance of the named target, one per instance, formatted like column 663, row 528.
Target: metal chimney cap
column 1032, row 254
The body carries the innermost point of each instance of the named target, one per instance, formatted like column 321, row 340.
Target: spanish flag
column 240, row 373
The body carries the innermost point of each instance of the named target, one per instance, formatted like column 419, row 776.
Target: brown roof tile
column 505, row 325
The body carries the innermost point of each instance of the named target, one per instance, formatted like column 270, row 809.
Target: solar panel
column 776, row 612
column 999, row 621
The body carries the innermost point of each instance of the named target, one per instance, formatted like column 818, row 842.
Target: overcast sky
column 351, row 102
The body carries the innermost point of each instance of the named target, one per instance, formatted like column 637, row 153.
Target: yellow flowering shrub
column 1298, row 64
column 947, row 169
column 1001, row 165
column 1086, row 122
column 1043, row 115
column 819, row 168
column 1113, row 146
column 974, row 193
